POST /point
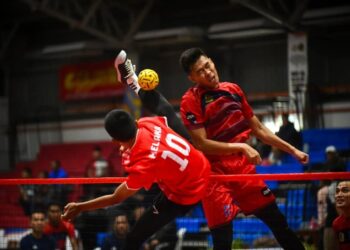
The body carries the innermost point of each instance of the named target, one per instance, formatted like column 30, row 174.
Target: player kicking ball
column 151, row 153
column 229, row 157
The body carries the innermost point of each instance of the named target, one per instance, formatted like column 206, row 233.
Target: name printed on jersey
column 156, row 142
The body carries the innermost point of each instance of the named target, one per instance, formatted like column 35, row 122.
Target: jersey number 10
column 181, row 147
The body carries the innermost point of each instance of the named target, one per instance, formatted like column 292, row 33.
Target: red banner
column 90, row 80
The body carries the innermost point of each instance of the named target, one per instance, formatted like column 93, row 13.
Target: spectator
column 59, row 229
column 59, row 192
column 288, row 133
column 57, row 171
column 37, row 239
column 329, row 241
column 27, row 193
column 116, row 239
column 325, row 208
column 43, row 193
column 341, row 224
column 333, row 162
column 98, row 166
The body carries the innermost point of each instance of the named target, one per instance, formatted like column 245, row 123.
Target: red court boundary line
column 242, row 177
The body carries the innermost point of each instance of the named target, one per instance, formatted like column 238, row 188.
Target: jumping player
column 151, row 153
column 218, row 115
column 226, row 147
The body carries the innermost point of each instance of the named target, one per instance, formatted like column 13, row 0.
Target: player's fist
column 71, row 210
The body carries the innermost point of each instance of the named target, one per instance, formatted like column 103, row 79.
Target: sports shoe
column 126, row 72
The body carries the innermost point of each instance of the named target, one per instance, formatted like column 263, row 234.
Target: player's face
column 37, row 222
column 204, row 73
column 342, row 195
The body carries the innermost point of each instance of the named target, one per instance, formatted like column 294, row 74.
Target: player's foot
column 126, row 72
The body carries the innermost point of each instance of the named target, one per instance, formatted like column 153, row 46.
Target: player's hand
column 302, row 157
column 71, row 210
column 252, row 155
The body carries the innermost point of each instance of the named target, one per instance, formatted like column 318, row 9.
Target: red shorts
column 224, row 200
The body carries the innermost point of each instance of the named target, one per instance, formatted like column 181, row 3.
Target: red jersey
column 60, row 233
column 223, row 112
column 161, row 156
column 341, row 226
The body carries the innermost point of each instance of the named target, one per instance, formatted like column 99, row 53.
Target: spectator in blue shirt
column 57, row 171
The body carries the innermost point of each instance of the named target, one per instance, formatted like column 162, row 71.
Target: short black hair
column 54, row 203
column 37, row 211
column 190, row 57
column 120, row 125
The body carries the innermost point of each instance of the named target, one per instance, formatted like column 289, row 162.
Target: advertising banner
column 89, row 81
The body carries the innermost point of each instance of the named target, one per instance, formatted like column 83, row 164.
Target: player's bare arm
column 211, row 147
column 267, row 137
column 71, row 210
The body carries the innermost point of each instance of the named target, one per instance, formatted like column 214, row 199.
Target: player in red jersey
column 341, row 224
column 152, row 153
column 228, row 124
column 218, row 116
column 59, row 230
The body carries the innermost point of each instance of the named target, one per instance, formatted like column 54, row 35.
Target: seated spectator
column 58, row 229
column 59, row 192
column 341, row 224
column 27, row 193
column 57, row 171
column 116, row 239
column 329, row 241
column 37, row 239
column 43, row 193
column 98, row 166
column 325, row 208
column 333, row 162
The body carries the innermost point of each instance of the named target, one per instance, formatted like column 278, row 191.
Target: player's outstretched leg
column 126, row 72
column 152, row 100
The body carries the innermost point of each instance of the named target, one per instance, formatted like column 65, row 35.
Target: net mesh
column 299, row 198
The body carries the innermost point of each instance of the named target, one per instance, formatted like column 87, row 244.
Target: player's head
column 189, row 57
column 199, row 67
column 342, row 195
column 120, row 125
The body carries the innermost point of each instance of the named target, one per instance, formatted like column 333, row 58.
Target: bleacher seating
column 316, row 140
column 73, row 156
